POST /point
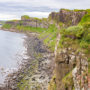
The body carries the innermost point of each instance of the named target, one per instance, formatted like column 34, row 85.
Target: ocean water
column 12, row 52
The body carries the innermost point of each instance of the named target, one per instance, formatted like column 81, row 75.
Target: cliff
column 67, row 34
column 27, row 21
column 72, row 51
column 68, row 17
column 34, row 22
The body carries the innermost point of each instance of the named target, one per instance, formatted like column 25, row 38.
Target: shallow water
column 12, row 51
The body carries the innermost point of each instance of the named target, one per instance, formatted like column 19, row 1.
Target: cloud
column 8, row 17
column 38, row 8
column 47, row 3
column 37, row 14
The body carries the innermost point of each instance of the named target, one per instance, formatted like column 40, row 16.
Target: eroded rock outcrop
column 31, row 22
column 34, row 22
column 71, row 70
column 68, row 17
column 71, row 63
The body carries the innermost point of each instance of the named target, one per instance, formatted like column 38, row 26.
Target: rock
column 67, row 17
column 31, row 22
column 68, row 61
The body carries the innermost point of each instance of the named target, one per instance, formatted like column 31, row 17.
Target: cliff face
column 71, row 62
column 69, row 17
column 34, row 22
column 13, row 23
column 65, row 17
column 71, row 70
column 31, row 22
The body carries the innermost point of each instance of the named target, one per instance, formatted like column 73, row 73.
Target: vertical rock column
column 80, row 73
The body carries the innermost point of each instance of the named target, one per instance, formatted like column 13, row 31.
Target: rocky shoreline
column 35, row 72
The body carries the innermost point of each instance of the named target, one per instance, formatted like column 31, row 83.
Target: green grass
column 88, row 10
column 49, row 36
column 85, row 19
column 81, row 33
column 89, row 67
column 65, row 9
column 24, row 28
column 82, row 40
column 25, row 17
column 77, row 10
column 7, row 26
column 76, row 31
column 52, row 84
column 31, row 29
column 68, row 79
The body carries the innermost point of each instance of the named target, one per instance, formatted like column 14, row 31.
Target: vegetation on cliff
column 49, row 36
column 7, row 26
column 28, row 28
column 76, row 37
column 24, row 28
column 25, row 17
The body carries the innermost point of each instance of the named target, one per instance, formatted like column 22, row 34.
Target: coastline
column 39, row 57
column 20, row 31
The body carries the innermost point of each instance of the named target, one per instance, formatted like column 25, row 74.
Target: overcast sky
column 13, row 9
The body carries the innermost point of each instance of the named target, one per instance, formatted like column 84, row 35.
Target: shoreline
column 37, row 53
column 20, row 31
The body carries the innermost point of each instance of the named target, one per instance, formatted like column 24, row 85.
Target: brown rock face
column 13, row 22
column 71, row 70
column 35, row 23
column 69, row 17
column 64, row 65
column 29, row 22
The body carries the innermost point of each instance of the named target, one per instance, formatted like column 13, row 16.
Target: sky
column 14, row 9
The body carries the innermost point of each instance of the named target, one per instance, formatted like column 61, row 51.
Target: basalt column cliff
column 71, row 56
